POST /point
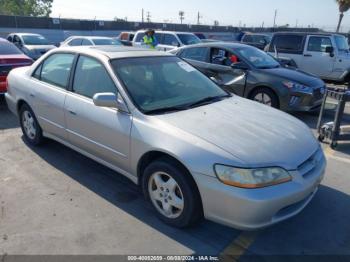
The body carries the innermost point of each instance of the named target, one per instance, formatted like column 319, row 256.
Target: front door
column 316, row 61
column 101, row 132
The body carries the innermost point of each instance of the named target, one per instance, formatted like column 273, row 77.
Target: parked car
column 324, row 55
column 33, row 45
column 10, row 57
column 257, row 40
column 90, row 41
column 251, row 73
column 201, row 36
column 193, row 148
column 168, row 40
column 126, row 38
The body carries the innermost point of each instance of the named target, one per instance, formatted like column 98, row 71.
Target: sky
column 318, row 13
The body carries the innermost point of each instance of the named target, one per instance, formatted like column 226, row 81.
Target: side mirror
column 239, row 65
column 330, row 50
column 110, row 100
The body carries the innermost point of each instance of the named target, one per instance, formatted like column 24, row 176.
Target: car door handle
column 308, row 55
column 31, row 95
column 72, row 112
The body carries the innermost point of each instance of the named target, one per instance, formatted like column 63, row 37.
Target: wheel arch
column 154, row 155
column 264, row 87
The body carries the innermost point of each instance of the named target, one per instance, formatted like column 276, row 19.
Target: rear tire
column 172, row 193
column 265, row 96
column 30, row 127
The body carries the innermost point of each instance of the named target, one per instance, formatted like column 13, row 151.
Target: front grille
column 307, row 167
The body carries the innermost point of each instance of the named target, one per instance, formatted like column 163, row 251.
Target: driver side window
column 91, row 77
column 222, row 57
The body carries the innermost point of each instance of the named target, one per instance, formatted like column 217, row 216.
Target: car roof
column 166, row 32
column 20, row 34
column 227, row 45
column 306, row 33
column 113, row 52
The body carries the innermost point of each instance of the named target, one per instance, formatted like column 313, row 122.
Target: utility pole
column 274, row 20
column 263, row 23
column 296, row 24
column 148, row 17
column 198, row 18
column 143, row 16
column 182, row 15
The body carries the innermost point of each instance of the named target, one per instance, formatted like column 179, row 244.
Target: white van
column 167, row 40
column 324, row 55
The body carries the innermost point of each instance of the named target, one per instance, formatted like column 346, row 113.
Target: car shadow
column 206, row 238
column 322, row 228
column 7, row 119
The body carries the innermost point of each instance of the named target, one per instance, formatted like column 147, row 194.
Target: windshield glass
column 35, row 40
column 105, row 41
column 258, row 58
column 188, row 39
column 156, row 83
column 7, row 48
column 342, row 43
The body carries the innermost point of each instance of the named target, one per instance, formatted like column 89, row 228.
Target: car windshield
column 342, row 43
column 258, row 58
column 188, row 39
column 164, row 84
column 35, row 40
column 7, row 48
column 106, row 41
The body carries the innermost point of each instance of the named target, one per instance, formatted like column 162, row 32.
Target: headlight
column 296, row 87
column 251, row 178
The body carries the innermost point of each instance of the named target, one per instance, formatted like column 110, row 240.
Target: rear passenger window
column 318, row 44
column 198, row 54
column 86, row 42
column 37, row 72
column 75, row 42
column 56, row 69
column 288, row 43
column 91, row 78
column 139, row 37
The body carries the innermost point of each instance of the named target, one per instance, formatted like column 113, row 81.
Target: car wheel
column 172, row 193
column 30, row 126
column 265, row 96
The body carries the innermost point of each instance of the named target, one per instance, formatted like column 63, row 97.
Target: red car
column 10, row 57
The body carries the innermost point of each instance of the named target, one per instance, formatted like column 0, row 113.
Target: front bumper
column 298, row 101
column 251, row 209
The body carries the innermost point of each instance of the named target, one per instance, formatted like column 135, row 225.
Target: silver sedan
column 195, row 150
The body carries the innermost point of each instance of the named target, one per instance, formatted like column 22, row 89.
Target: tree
column 344, row 5
column 26, row 7
column 181, row 15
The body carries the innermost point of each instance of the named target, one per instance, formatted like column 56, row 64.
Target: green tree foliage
column 344, row 6
column 26, row 7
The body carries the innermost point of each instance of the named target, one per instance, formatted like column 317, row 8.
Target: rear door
column 316, row 61
column 288, row 45
column 50, row 80
column 101, row 132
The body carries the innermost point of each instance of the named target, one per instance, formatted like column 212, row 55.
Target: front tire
column 265, row 96
column 172, row 193
column 30, row 127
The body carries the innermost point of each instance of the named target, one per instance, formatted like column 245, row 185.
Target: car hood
column 296, row 76
column 258, row 135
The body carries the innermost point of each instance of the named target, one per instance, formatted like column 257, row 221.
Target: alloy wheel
column 29, row 124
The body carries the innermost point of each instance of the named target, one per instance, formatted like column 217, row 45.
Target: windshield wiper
column 208, row 100
column 164, row 110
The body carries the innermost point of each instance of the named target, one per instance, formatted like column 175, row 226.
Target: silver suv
column 194, row 149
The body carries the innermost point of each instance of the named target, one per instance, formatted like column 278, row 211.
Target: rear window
column 287, row 43
column 105, row 41
column 189, row 39
column 7, row 48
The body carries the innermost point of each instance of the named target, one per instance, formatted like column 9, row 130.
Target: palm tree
column 344, row 5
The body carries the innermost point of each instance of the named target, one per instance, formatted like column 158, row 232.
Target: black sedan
column 249, row 72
